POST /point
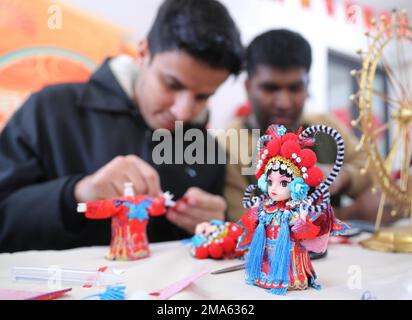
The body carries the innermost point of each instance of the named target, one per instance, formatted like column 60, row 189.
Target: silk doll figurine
column 129, row 215
column 292, row 214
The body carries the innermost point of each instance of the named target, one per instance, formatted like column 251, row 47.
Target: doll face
column 278, row 186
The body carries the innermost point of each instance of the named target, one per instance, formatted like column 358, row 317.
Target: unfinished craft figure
column 129, row 215
column 215, row 239
column 291, row 215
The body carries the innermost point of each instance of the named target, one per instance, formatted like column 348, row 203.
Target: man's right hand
column 108, row 181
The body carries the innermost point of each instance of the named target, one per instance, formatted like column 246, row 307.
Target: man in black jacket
column 78, row 142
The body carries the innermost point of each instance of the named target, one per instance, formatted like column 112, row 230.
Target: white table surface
column 346, row 273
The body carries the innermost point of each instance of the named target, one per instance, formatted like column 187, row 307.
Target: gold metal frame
column 399, row 195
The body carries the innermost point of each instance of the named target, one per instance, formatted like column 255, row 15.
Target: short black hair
column 202, row 28
column 279, row 48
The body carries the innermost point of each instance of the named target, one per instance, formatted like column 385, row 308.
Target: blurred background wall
column 93, row 29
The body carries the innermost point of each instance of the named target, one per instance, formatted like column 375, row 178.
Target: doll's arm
column 159, row 205
column 248, row 224
column 100, row 209
column 304, row 229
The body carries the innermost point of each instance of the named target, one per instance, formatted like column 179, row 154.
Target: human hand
column 108, row 181
column 366, row 206
column 196, row 207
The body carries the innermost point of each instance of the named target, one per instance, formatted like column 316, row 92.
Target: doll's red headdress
column 281, row 150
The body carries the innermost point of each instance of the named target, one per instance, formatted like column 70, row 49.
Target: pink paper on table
column 174, row 288
column 8, row 294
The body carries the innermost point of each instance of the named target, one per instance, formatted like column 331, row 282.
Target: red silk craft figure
column 292, row 214
column 215, row 239
column 129, row 215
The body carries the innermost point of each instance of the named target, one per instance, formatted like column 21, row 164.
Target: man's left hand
column 199, row 206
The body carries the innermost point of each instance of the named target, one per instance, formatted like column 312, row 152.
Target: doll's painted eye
column 284, row 183
column 269, row 182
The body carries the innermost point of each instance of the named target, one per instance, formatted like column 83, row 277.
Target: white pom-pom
column 298, row 160
column 294, row 155
column 303, row 169
column 305, row 175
